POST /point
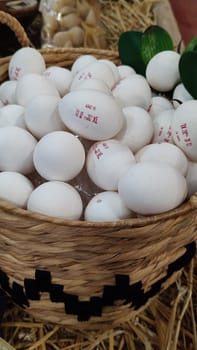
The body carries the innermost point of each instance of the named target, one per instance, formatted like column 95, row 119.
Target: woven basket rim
column 182, row 210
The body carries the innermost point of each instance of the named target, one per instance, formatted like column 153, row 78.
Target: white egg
column 113, row 68
column 162, row 71
column 158, row 105
column 91, row 114
column 149, row 188
column 133, row 91
column 15, row 188
column 42, row 115
column 32, row 85
column 12, row 115
column 164, row 152
column 56, row 199
column 8, row 92
column 59, row 156
column 106, row 206
column 106, row 161
column 180, row 95
column 81, row 62
column 125, row 71
column 137, row 129
column 95, row 70
column 61, row 77
column 191, row 178
column 92, row 84
column 184, row 128
column 25, row 60
column 16, row 150
column 162, row 127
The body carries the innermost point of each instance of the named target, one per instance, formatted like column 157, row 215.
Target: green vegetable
column 188, row 71
column 154, row 40
column 129, row 47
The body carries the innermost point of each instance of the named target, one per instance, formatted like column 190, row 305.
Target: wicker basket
column 89, row 275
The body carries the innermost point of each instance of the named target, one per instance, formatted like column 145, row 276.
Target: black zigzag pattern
column 129, row 293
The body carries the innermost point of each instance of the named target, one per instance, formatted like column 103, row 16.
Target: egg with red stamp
column 184, row 128
column 91, row 114
column 25, row 60
column 106, row 161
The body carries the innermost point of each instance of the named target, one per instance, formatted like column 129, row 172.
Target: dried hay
column 167, row 323
column 122, row 15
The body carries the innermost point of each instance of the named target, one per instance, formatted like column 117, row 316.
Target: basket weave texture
column 90, row 275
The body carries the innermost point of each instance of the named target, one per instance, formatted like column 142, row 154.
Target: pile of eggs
column 97, row 141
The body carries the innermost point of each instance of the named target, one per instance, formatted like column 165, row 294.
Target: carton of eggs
column 56, row 199
column 91, row 114
column 149, row 188
column 106, row 161
column 59, row 156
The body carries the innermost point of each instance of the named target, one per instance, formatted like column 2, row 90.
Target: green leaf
column 129, row 48
column 192, row 46
column 154, row 40
column 188, row 71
